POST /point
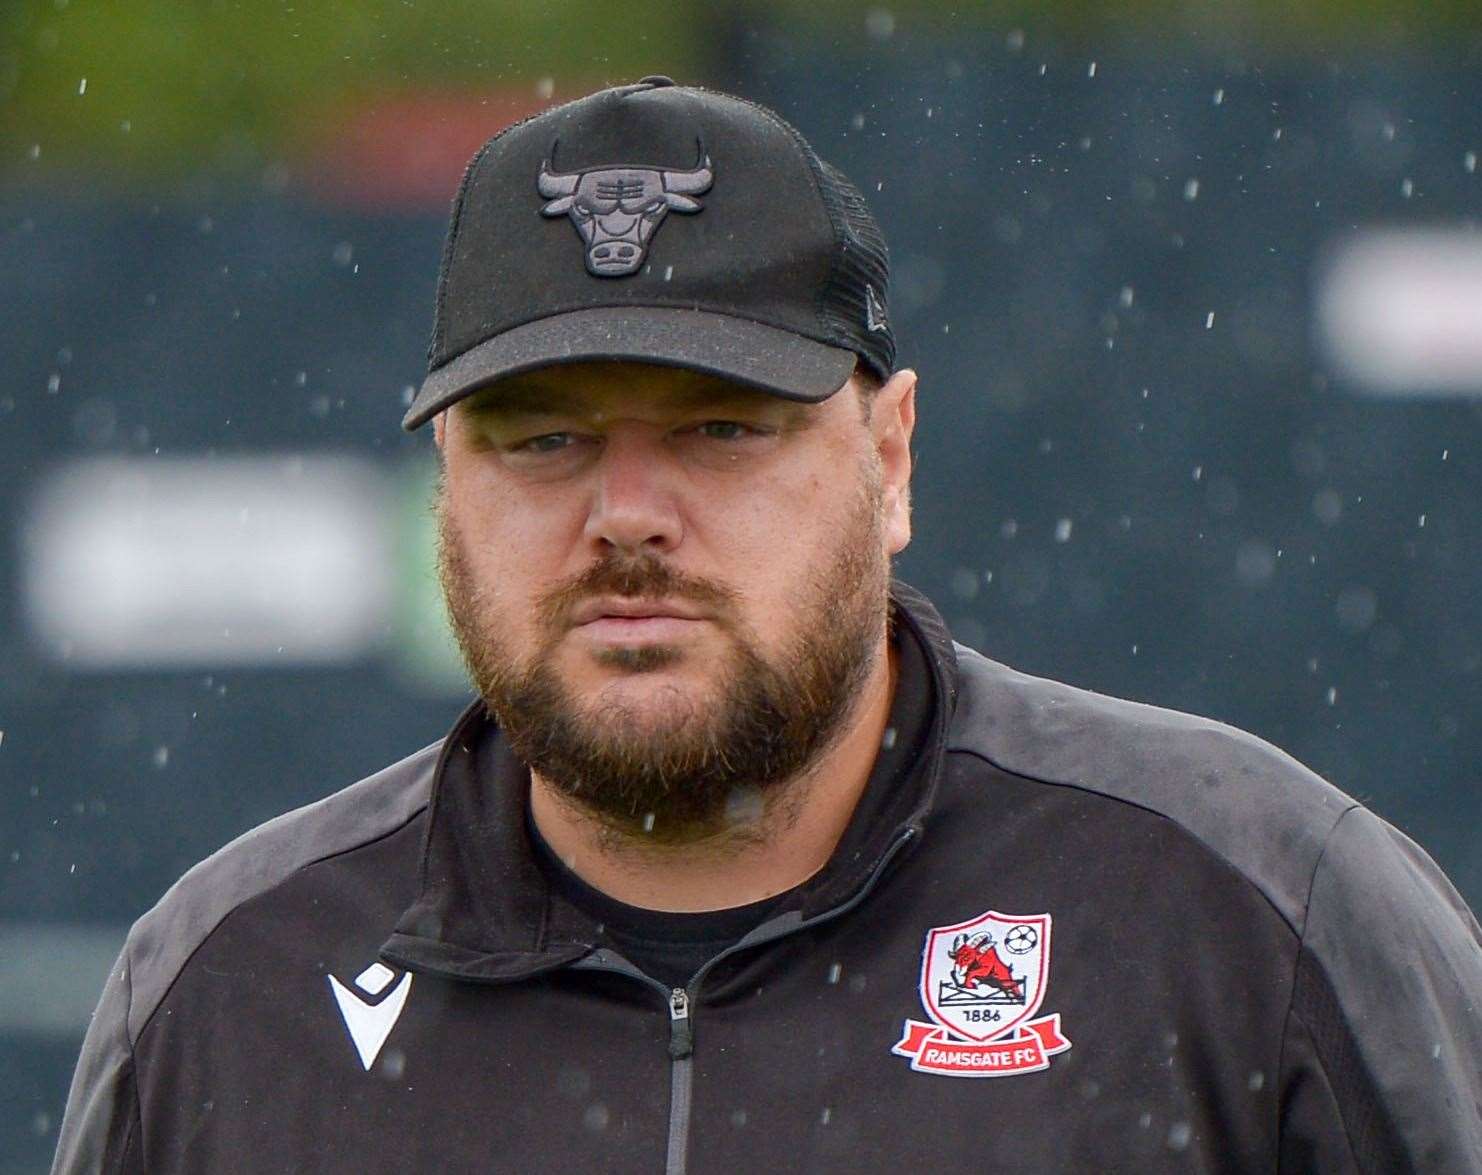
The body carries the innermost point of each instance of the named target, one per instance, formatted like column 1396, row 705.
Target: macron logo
column 370, row 1023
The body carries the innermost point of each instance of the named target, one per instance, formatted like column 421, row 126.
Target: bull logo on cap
column 617, row 208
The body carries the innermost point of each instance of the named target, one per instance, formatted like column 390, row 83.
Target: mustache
column 647, row 577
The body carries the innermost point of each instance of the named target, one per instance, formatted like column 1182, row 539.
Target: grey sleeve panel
column 1247, row 801
column 1397, row 957
column 100, row 1130
column 162, row 941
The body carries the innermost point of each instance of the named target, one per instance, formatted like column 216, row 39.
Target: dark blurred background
column 1194, row 290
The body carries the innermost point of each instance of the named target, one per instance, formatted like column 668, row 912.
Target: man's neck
column 791, row 840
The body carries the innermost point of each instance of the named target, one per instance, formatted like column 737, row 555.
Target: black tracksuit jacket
column 1063, row 932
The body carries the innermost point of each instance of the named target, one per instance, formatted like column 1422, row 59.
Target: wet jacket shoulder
column 102, row 1130
column 1381, row 1057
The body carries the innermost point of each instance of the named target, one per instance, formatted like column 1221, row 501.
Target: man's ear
column 892, row 421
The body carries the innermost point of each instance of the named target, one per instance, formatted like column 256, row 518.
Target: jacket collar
column 487, row 913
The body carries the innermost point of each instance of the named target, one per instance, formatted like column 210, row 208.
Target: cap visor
column 765, row 357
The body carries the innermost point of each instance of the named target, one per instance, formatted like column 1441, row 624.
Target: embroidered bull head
column 616, row 209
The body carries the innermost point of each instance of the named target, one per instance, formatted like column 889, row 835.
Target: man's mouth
column 629, row 619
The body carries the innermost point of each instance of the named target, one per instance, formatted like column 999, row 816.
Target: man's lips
column 620, row 608
column 625, row 620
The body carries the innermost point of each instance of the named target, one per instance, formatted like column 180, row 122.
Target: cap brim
column 752, row 353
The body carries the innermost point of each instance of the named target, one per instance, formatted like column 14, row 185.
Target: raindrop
column 1091, row 70
column 1469, row 161
column 1407, row 187
column 1191, row 188
column 648, row 822
column 1145, row 1120
column 393, row 1064
column 826, row 1116
column 161, row 756
column 1357, row 607
column 319, row 406
column 744, row 805
column 1422, row 520
column 126, row 126
column 1198, row 472
column 41, row 1122
column 1332, row 695
column 1178, row 1135
column 1209, row 320
column 544, row 88
column 35, row 151
column 596, row 1117
column 1125, row 298
column 1255, row 562
column 1062, row 530
column 1009, row 528
column 408, row 394
column 1256, row 1081
column 965, row 583
column 54, row 383
column 887, row 740
column 668, row 272
column 858, row 121
column 343, row 252
column 1327, row 506
column 1219, row 97
column 880, row 24
column 82, row 87
column 834, row 971
column 738, row 1118
column 300, row 378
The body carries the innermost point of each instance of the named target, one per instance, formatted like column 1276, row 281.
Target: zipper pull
column 681, row 1036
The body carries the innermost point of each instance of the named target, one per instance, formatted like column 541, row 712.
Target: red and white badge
column 982, row 981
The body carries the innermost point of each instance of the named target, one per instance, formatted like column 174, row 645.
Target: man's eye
column 550, row 442
column 724, row 430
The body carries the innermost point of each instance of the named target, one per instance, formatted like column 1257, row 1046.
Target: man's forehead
column 565, row 387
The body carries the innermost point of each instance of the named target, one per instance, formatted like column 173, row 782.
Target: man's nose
column 634, row 508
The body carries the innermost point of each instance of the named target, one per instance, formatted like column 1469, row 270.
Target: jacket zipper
column 681, row 1003
column 681, row 1077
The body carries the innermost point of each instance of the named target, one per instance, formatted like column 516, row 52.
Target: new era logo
column 370, row 1020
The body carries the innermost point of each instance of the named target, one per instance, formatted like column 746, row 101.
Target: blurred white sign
column 1399, row 312
column 168, row 562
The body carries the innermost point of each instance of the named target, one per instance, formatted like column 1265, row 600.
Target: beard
column 688, row 764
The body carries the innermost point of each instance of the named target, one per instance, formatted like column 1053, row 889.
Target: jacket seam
column 1179, row 824
column 136, row 1115
column 282, row 881
column 1291, row 1007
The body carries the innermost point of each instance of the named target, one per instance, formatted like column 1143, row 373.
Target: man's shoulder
column 1247, row 801
column 162, row 941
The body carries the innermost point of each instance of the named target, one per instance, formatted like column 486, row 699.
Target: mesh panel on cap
column 863, row 264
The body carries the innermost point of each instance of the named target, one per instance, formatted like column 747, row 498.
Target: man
column 739, row 863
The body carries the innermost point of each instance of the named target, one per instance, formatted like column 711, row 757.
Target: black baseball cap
column 662, row 224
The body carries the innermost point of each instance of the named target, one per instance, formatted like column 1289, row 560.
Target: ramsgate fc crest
column 982, row 982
